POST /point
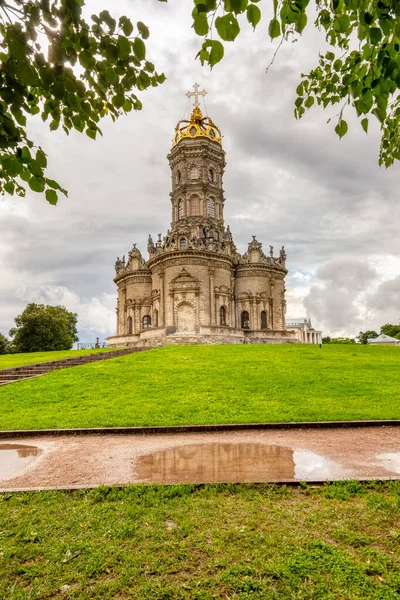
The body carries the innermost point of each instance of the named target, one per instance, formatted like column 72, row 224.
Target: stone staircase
column 30, row 371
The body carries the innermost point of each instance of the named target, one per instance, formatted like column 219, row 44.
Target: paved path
column 263, row 455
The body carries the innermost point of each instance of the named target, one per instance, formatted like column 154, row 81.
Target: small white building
column 304, row 331
column 384, row 340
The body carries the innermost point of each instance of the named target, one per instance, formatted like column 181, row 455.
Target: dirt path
column 263, row 455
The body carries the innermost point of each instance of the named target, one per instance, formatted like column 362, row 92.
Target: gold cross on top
column 196, row 94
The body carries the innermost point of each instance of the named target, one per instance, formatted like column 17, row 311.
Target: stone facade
column 195, row 287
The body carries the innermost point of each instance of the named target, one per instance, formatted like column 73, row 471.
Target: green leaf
column 36, row 184
column 227, row 27
column 91, row 133
column 9, row 187
column 309, row 102
column 341, row 128
column 364, row 124
column 301, row 22
column 87, row 59
column 53, row 184
column 254, row 15
column 200, row 24
column 41, row 158
column 51, row 197
column 342, row 24
column 25, row 175
column 139, row 49
column 143, row 30
column 26, row 155
column 118, row 100
column 216, row 52
column 126, row 25
column 111, row 75
column 274, row 29
column 124, row 47
column 375, row 35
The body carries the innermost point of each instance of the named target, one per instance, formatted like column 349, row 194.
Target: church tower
column 197, row 163
column 195, row 287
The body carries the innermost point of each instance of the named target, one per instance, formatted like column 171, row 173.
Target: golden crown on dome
column 198, row 125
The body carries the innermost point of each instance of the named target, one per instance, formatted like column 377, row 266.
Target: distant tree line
column 41, row 328
column 364, row 336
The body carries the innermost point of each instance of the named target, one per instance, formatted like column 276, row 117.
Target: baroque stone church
column 195, row 287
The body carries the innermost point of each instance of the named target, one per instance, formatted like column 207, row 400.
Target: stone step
column 29, row 371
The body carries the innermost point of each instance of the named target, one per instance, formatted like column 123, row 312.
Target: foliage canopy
column 364, row 336
column 71, row 72
column 363, row 72
column 391, row 330
column 41, row 328
column 5, row 346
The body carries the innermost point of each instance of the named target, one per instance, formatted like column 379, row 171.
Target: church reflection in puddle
column 233, row 462
column 14, row 457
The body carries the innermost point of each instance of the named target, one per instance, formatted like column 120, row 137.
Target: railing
column 90, row 345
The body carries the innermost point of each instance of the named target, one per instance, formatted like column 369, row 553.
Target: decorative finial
column 196, row 95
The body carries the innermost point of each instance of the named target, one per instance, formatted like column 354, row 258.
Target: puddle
column 391, row 461
column 224, row 463
column 14, row 457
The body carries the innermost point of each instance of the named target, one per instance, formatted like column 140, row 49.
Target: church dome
column 197, row 127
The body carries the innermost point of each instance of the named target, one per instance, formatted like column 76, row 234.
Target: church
column 195, row 287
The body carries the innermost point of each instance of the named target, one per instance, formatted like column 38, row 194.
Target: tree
column 41, row 328
column 5, row 346
column 364, row 336
column 342, row 340
column 364, row 74
column 326, row 340
column 392, row 330
column 91, row 69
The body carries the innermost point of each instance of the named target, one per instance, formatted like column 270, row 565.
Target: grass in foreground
column 211, row 384
column 7, row 361
column 203, row 542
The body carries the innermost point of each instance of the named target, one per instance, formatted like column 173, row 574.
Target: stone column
column 197, row 315
column 133, row 315
column 251, row 311
column 212, row 300
column 271, row 313
column 161, row 315
column 123, row 302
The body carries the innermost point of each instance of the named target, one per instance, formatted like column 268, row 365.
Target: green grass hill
column 211, row 384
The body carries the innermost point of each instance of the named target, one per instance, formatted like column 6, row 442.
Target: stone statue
column 271, row 251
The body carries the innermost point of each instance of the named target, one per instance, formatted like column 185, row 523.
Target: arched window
column 222, row 315
column 264, row 323
column 183, row 243
column 156, row 318
column 180, row 209
column 211, row 207
column 211, row 175
column 178, row 177
column 146, row 321
column 195, row 206
column 130, row 325
column 245, row 320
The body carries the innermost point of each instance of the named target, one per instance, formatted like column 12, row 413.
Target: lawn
column 202, row 542
column 212, row 384
column 7, row 361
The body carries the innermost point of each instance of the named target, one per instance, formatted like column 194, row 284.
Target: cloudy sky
column 287, row 182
